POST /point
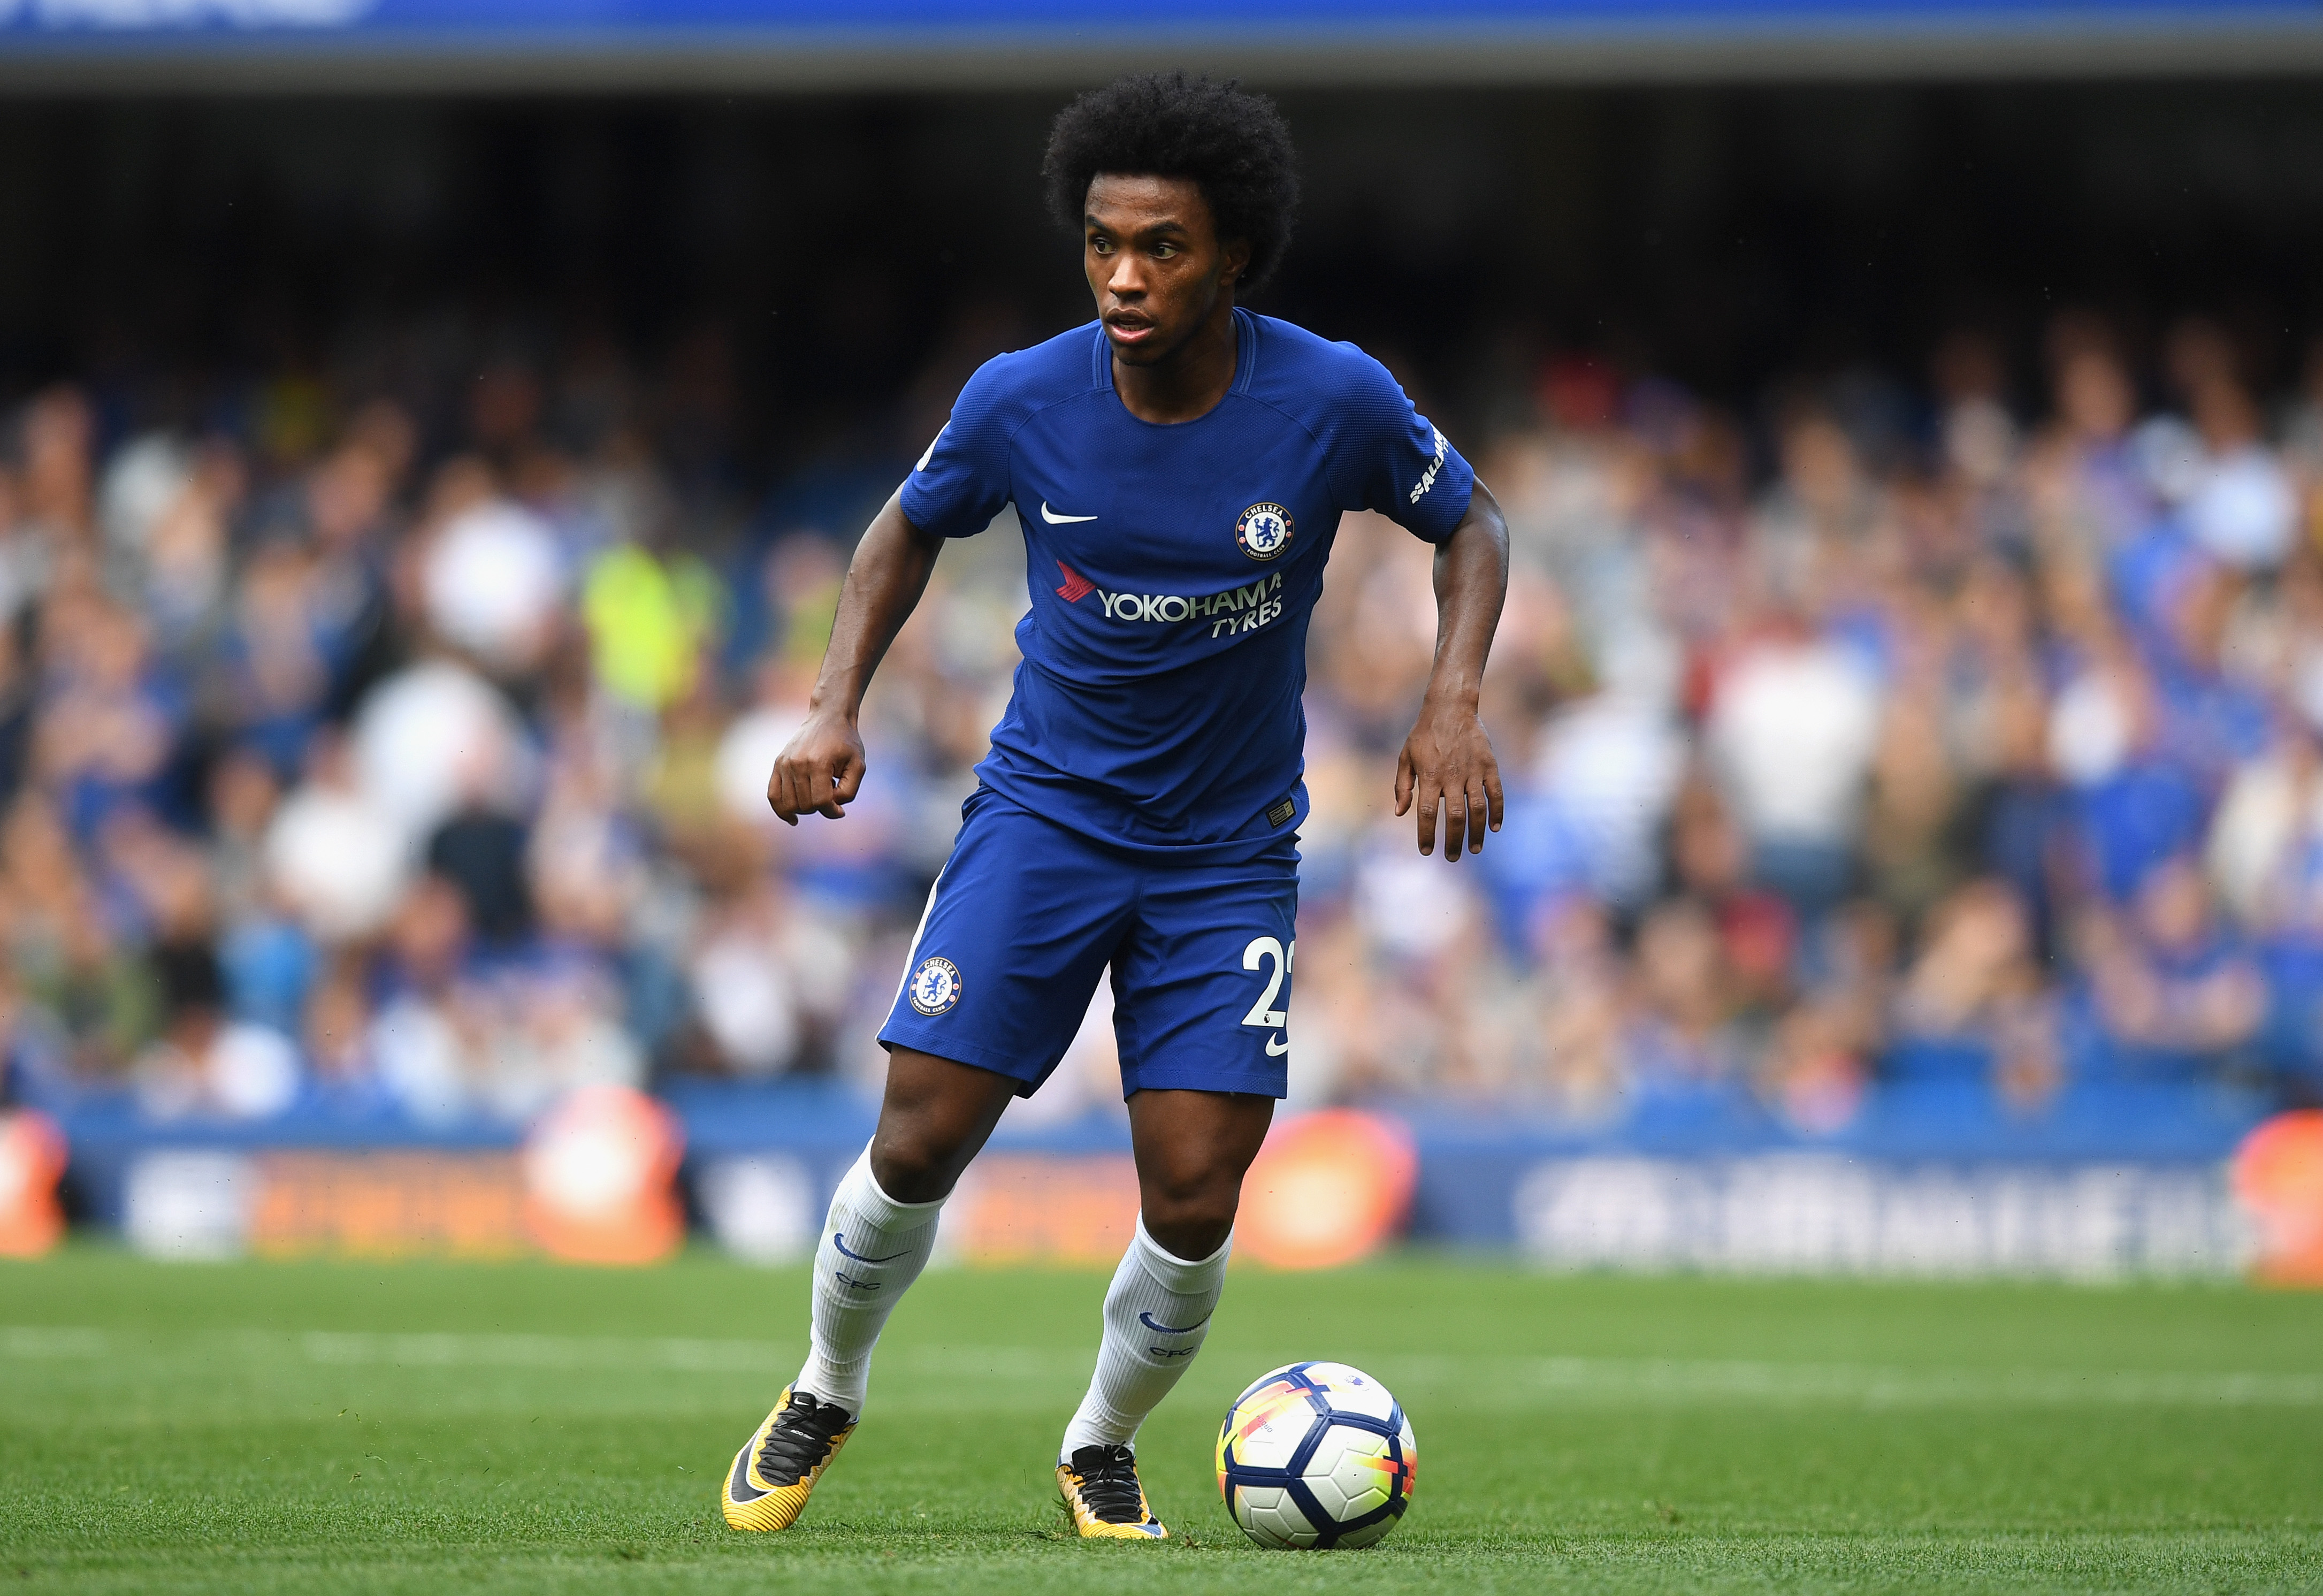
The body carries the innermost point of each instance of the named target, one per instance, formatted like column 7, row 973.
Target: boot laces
column 800, row 1439
column 1109, row 1477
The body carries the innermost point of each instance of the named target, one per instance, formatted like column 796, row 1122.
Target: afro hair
column 1232, row 143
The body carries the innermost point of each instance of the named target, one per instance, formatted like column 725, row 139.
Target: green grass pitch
column 254, row 1429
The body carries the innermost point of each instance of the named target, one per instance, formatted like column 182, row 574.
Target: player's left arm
column 1448, row 760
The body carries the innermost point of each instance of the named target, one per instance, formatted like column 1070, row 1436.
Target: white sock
column 1156, row 1313
column 873, row 1248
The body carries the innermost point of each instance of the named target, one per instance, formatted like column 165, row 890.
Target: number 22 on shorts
column 1263, row 1014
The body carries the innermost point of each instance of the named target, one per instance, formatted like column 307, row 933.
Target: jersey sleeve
column 962, row 481
column 1393, row 459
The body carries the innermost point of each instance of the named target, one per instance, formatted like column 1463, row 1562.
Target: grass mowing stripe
column 1603, row 1379
column 250, row 1429
column 43, row 1340
column 684, row 1354
column 1624, row 1379
column 438, row 1350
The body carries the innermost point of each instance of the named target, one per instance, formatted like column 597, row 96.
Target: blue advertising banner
column 999, row 41
column 450, row 20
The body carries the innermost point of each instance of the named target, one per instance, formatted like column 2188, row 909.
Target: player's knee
column 1190, row 1214
column 912, row 1164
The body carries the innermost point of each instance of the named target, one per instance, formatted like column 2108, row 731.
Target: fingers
column 797, row 788
column 1421, row 784
column 1477, row 806
column 850, row 779
column 1458, row 824
column 823, row 792
column 780, row 797
column 1471, row 805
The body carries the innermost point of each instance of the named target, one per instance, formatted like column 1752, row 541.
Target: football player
column 1179, row 467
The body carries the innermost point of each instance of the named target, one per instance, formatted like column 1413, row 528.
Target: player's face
column 1155, row 264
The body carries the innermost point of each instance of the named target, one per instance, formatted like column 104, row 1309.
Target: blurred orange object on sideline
column 1023, row 1207
column 1327, row 1189
column 32, row 1161
column 600, row 1178
column 2278, row 1176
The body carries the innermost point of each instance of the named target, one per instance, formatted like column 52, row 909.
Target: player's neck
column 1186, row 384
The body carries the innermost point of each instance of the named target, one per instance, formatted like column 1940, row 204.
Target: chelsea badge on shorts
column 1263, row 531
column 934, row 986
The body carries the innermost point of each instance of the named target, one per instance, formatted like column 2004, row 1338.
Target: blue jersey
column 1172, row 571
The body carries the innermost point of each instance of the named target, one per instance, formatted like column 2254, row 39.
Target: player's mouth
column 1128, row 327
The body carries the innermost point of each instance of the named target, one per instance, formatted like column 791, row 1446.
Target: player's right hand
column 820, row 772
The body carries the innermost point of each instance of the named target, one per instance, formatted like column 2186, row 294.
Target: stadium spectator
column 408, row 755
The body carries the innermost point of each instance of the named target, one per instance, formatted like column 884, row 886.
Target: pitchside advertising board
column 606, row 1177
column 899, row 41
column 1804, row 1212
column 1784, row 1213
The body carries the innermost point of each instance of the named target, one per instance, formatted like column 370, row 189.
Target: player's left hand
column 1447, row 761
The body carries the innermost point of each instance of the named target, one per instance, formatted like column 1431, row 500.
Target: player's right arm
column 821, row 769
column 954, row 491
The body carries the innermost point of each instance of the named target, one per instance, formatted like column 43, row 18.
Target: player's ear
column 1236, row 255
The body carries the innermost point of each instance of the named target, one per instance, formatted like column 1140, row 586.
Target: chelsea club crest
column 1263, row 531
column 934, row 987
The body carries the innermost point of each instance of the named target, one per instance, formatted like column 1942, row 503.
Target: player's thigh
column 1193, row 1149
column 1018, row 930
column 1202, row 983
column 934, row 1117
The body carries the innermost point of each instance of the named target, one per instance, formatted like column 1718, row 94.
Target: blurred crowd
column 367, row 749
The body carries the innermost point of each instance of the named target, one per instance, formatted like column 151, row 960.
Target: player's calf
column 873, row 1248
column 1157, row 1311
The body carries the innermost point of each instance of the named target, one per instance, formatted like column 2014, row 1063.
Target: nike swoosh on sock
column 1151, row 1323
column 839, row 1240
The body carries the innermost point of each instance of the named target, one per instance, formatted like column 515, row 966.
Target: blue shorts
column 1026, row 916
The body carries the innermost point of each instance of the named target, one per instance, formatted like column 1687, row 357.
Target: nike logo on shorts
column 1054, row 519
column 1276, row 1046
column 839, row 1240
column 1151, row 1323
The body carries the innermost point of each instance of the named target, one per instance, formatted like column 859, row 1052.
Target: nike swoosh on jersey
column 740, row 1485
column 1151, row 1323
column 839, row 1240
column 1054, row 519
column 1276, row 1046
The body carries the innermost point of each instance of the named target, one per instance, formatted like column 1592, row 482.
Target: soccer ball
column 1315, row 1455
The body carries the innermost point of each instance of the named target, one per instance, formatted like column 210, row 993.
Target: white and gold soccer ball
column 1316, row 1456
